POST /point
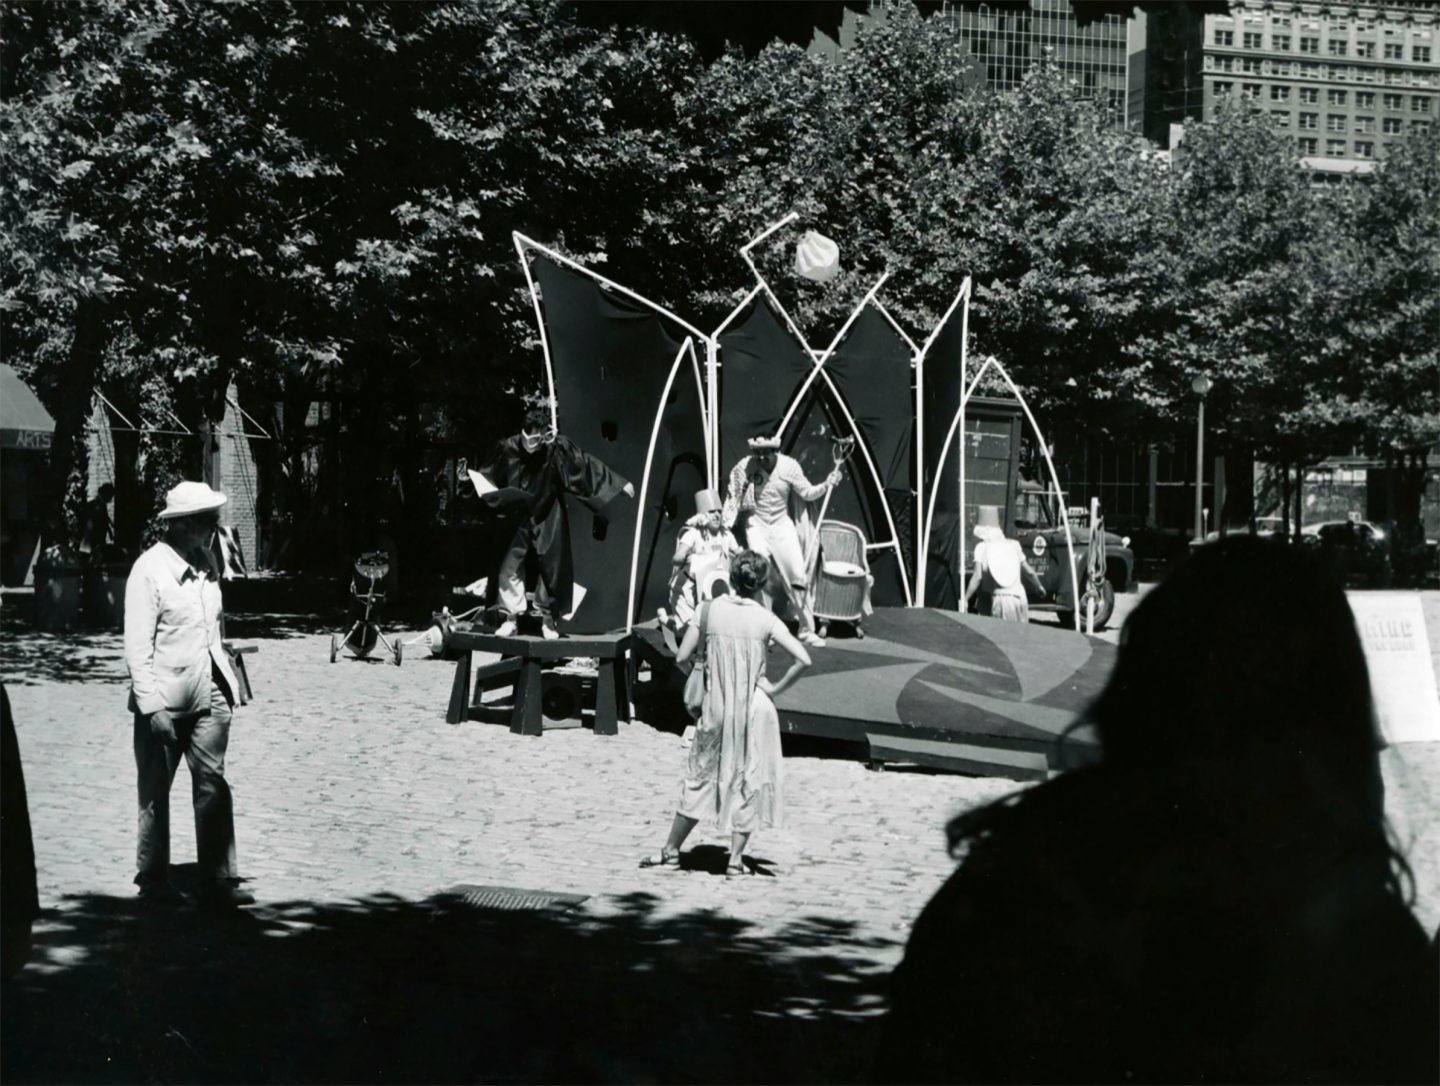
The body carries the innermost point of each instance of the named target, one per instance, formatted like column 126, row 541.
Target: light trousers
column 202, row 738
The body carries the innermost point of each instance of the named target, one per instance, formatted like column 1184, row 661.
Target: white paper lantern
column 817, row 257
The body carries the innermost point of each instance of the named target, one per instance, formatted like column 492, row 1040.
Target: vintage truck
column 1041, row 533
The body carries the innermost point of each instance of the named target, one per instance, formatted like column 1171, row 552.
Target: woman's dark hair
column 749, row 572
column 537, row 418
column 1241, row 689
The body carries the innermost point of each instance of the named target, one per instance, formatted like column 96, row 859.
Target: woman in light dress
column 732, row 770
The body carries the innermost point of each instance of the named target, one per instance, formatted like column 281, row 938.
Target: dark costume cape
column 541, row 526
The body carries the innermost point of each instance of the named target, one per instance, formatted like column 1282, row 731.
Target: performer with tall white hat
column 701, row 565
column 770, row 491
column 1000, row 569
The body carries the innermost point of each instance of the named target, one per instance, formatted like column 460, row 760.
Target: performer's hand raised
column 833, row 479
column 630, row 490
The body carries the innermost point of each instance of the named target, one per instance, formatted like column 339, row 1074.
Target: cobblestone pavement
column 358, row 808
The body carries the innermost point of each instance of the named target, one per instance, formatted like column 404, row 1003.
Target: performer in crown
column 769, row 492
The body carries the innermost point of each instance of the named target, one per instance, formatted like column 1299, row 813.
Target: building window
column 1365, row 99
column 1420, row 126
column 1226, row 64
column 1390, row 126
column 1252, row 41
column 1364, row 48
column 1309, row 95
column 1250, row 64
column 1308, row 145
column 1250, row 90
column 1224, row 37
column 1335, row 122
column 1364, row 148
column 1224, row 88
column 1394, row 78
column 1280, row 42
column 1337, row 47
column 1420, row 54
column 1365, row 75
column 1280, row 117
column 1335, row 97
column 1419, row 105
column 1312, row 120
column 1282, row 94
column 1393, row 49
column 1280, row 20
column 1309, row 45
column 1309, row 71
column 1394, row 101
column 1364, row 124
column 1335, row 147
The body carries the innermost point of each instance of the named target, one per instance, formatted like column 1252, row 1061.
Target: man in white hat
column 771, row 489
column 182, row 692
column 702, row 556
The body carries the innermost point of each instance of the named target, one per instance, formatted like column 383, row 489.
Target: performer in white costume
column 770, row 490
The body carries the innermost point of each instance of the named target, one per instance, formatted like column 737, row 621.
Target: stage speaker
column 563, row 695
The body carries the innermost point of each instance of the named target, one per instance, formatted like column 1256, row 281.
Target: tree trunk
column 68, row 452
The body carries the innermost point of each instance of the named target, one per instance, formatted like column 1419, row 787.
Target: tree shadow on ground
column 384, row 989
column 32, row 657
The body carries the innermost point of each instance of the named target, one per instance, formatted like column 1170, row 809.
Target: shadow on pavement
column 384, row 989
column 31, row 657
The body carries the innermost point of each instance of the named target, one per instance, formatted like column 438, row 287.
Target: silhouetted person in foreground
column 1217, row 900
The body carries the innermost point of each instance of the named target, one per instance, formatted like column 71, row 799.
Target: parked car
column 1042, row 535
column 1358, row 550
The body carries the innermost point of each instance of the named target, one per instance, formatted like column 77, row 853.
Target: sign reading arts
column 25, row 439
column 1402, row 671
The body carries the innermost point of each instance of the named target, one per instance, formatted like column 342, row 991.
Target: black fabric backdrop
column 871, row 370
column 942, row 400
column 611, row 358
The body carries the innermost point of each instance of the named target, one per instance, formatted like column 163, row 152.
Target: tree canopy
column 316, row 201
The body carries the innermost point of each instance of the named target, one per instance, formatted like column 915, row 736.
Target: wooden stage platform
column 938, row 688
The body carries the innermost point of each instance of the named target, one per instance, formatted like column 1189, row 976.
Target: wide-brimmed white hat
column 760, row 444
column 187, row 498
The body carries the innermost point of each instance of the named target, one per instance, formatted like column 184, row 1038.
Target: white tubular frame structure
column 688, row 347
column 1049, row 464
column 818, row 359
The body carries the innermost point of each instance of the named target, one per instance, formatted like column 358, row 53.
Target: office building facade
column 1344, row 80
column 1007, row 40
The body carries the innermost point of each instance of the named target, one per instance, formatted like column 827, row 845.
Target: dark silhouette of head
column 749, row 573
column 1217, row 898
column 106, row 492
column 1244, row 671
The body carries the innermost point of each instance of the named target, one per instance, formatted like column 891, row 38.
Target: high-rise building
column 1344, row 79
column 1007, row 40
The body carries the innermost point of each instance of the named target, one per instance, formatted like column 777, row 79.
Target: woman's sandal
column 736, row 871
column 662, row 859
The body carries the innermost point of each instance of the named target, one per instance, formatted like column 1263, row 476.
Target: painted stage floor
column 938, row 688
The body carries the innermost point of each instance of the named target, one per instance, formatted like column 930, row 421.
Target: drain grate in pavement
column 511, row 899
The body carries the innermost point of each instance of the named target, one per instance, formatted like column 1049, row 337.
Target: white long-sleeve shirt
column 772, row 504
column 172, row 634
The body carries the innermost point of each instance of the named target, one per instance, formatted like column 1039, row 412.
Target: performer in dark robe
column 545, row 466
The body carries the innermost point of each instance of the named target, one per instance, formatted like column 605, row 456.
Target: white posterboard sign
column 1402, row 672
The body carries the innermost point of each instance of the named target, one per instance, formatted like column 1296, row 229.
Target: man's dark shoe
column 160, row 892
column 225, row 895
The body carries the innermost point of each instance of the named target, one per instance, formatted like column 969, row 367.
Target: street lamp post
column 1201, row 385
